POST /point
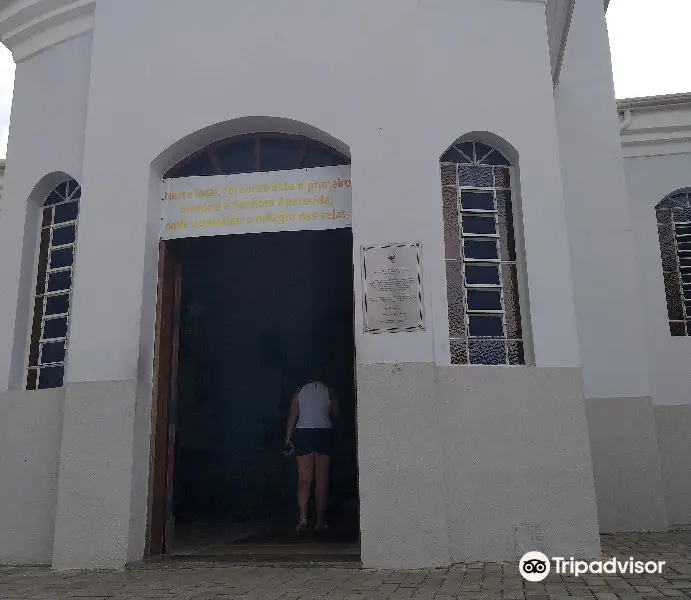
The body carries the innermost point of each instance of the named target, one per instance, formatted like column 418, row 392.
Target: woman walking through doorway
column 314, row 406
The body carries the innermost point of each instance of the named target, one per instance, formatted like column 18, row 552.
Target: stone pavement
column 195, row 581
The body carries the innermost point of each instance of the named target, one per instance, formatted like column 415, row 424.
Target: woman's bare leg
column 322, row 484
column 305, row 478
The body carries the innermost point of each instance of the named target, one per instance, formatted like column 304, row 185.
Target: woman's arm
column 292, row 416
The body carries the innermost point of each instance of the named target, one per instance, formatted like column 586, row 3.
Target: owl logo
column 534, row 566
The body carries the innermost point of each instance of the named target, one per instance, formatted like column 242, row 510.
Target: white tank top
column 314, row 405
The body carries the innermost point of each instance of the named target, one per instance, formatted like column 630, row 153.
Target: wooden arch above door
column 257, row 152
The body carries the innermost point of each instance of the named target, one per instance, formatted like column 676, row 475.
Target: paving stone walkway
column 211, row 581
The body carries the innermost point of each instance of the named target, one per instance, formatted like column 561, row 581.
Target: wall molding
column 659, row 125
column 31, row 26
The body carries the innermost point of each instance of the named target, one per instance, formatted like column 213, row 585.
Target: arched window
column 53, row 289
column 674, row 230
column 258, row 152
column 481, row 271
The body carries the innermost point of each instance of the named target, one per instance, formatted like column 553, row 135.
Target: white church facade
column 437, row 203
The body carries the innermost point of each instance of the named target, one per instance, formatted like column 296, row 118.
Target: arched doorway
column 240, row 318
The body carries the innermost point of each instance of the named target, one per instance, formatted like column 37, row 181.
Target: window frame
column 675, row 290
column 35, row 345
column 515, row 260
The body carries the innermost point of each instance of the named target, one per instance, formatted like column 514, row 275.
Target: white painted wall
column 45, row 146
column 396, row 98
column 658, row 162
column 2, row 180
column 517, row 466
column 30, row 431
column 397, row 105
column 650, row 179
column 673, row 428
column 93, row 516
column 518, row 105
column 46, row 136
column 607, row 291
column 478, row 463
column 626, row 465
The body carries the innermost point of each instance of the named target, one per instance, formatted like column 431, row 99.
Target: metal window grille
column 481, row 269
column 674, row 231
column 53, row 291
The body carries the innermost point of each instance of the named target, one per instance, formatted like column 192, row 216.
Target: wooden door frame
column 356, row 272
column 164, row 348
column 163, row 368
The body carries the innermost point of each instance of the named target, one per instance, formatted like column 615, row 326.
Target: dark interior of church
column 257, row 312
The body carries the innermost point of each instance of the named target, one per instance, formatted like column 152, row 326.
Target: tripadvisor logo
column 535, row 566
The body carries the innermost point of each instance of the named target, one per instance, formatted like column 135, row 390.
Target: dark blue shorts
column 308, row 441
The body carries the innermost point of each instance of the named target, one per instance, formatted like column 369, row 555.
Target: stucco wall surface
column 473, row 463
column 391, row 98
column 673, row 426
column 626, row 464
column 607, row 289
column 403, row 513
column 46, row 141
column 30, row 431
column 93, row 514
column 650, row 179
column 516, row 463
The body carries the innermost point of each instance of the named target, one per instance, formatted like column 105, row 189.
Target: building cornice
column 656, row 126
column 30, row 26
column 655, row 102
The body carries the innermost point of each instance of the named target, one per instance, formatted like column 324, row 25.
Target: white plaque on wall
column 392, row 288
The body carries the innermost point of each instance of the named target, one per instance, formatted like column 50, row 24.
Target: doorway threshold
column 267, row 545
column 340, row 561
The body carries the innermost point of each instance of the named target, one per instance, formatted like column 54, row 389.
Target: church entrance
column 243, row 321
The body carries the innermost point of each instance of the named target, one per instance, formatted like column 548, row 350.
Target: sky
column 650, row 46
column 649, row 40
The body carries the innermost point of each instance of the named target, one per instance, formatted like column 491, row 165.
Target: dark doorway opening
column 254, row 312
